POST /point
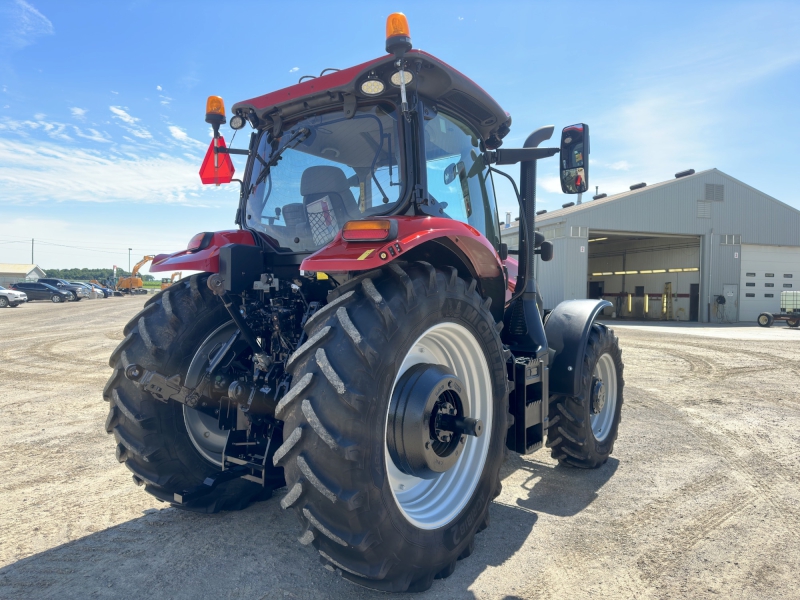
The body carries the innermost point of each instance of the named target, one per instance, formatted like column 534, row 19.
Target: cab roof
column 434, row 79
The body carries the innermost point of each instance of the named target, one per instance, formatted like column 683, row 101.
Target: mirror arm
column 512, row 156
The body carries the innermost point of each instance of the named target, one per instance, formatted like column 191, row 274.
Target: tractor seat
column 328, row 201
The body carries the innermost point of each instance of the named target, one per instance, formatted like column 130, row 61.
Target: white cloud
column 296, row 69
column 113, row 92
column 620, row 165
column 129, row 123
column 180, row 135
column 159, row 88
column 22, row 25
column 165, row 100
column 78, row 113
column 40, row 116
column 31, row 172
column 53, row 129
column 92, row 134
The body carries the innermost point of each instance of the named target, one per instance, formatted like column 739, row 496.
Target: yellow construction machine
column 133, row 284
column 166, row 282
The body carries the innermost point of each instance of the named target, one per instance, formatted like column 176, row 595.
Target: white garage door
column 766, row 272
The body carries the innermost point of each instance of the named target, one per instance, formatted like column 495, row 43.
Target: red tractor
column 363, row 338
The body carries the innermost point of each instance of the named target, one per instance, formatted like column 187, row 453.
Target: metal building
column 701, row 247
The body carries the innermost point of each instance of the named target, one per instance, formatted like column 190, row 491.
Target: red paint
column 342, row 256
column 512, row 268
column 330, row 81
column 333, row 81
column 220, row 173
column 203, row 260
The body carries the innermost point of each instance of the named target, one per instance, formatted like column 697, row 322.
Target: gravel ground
column 700, row 499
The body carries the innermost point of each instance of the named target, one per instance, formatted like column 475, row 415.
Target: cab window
column 457, row 177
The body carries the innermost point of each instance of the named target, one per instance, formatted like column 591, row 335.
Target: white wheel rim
column 606, row 372
column 433, row 503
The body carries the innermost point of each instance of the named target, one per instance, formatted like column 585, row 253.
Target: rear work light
column 201, row 241
column 369, row 231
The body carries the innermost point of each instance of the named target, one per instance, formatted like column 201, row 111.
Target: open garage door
column 645, row 276
column 766, row 272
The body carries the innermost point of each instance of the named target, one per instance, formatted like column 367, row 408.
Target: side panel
column 206, row 259
column 567, row 329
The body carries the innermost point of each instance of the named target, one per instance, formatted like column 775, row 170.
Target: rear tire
column 765, row 319
column 151, row 436
column 3, row 302
column 379, row 527
column 583, row 428
column 793, row 322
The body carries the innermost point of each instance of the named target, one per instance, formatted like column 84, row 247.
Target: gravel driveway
column 701, row 498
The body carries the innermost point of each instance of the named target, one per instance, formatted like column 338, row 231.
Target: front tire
column 582, row 428
column 55, row 299
column 152, row 437
column 381, row 528
column 3, row 302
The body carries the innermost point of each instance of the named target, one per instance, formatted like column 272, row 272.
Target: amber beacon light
column 215, row 110
column 398, row 35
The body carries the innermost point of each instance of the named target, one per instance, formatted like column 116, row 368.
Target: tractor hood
column 433, row 79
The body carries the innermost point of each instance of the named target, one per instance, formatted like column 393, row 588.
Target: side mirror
column 503, row 251
column 450, row 173
column 574, row 160
column 545, row 251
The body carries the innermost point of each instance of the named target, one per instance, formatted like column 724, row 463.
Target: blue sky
column 102, row 103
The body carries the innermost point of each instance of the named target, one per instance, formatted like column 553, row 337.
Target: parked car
column 11, row 298
column 42, row 291
column 77, row 292
column 93, row 293
column 104, row 291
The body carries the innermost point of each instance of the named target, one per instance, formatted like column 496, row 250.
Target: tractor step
column 528, row 376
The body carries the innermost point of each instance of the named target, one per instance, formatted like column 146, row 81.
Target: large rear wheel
column 395, row 426
column 167, row 446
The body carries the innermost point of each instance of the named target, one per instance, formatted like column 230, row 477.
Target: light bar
column 376, row 230
column 598, row 239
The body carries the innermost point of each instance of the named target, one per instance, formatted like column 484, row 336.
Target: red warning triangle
column 223, row 171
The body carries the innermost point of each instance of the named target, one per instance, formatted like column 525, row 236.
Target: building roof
column 563, row 212
column 18, row 268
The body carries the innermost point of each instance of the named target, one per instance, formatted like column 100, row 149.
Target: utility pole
column 129, row 260
column 32, row 261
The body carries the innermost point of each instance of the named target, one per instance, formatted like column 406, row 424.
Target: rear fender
column 206, row 259
column 567, row 328
column 417, row 236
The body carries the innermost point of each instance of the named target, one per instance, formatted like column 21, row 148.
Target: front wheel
column 582, row 428
column 395, row 426
column 765, row 320
column 3, row 301
column 55, row 299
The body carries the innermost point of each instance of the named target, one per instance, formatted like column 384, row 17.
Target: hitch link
column 161, row 387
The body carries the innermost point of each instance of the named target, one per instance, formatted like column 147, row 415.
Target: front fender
column 206, row 259
column 341, row 256
column 567, row 329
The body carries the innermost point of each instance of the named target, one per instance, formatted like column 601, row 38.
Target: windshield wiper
column 297, row 137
